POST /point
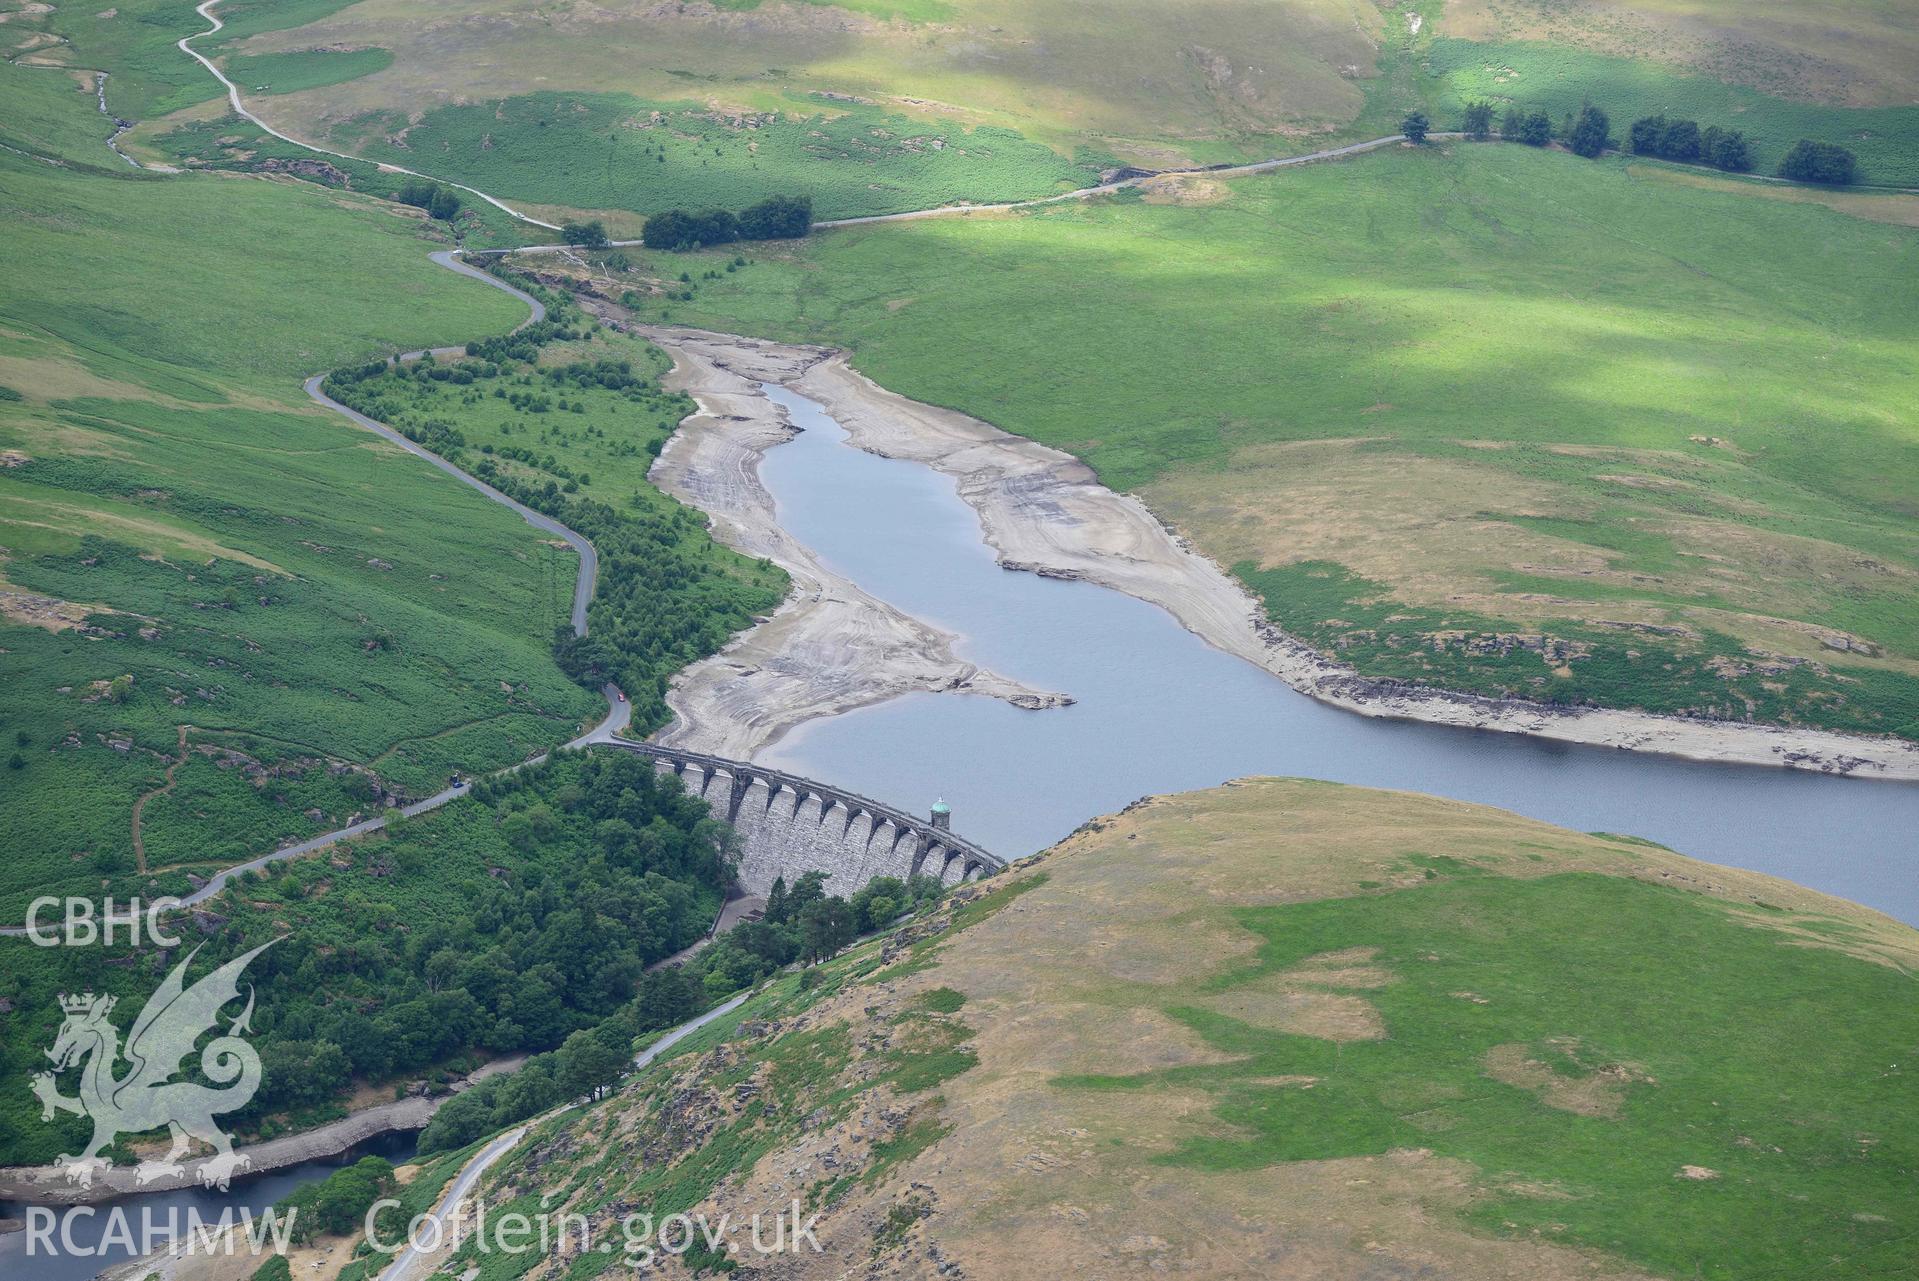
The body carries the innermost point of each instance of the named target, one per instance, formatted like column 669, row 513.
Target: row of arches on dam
column 789, row 826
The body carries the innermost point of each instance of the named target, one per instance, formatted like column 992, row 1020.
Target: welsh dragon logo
column 147, row 1097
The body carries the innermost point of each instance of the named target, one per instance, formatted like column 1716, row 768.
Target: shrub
column 1414, row 126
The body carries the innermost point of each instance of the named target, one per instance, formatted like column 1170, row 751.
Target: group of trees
column 613, row 870
column 1685, row 141
column 1826, row 162
column 775, row 218
column 1586, row 134
column 439, row 202
column 586, row 1063
column 587, row 235
column 803, row 924
column 338, row 1204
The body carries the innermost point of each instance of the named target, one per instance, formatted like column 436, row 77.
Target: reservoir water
column 1159, row 710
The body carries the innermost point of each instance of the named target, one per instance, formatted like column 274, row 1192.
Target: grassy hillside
column 232, row 619
column 1294, row 1029
column 1482, row 417
column 1144, row 78
column 874, row 106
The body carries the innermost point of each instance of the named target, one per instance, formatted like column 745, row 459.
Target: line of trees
column 775, row 218
column 1587, row 134
column 438, row 201
column 1685, row 141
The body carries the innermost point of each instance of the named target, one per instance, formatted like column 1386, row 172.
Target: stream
column 1158, row 710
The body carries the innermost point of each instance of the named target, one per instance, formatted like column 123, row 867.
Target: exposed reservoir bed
column 1158, row 710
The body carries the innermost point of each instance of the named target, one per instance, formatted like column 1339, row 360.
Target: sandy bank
column 830, row 647
column 1045, row 512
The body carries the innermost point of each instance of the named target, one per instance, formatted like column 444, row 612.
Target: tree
column 671, row 229
column 1414, row 126
column 1647, row 131
column 1680, row 141
column 1478, row 122
column 776, row 904
column 1512, row 126
column 777, row 218
column 1590, row 132
column 588, row 1065
column 716, row 227
column 826, row 926
column 444, row 205
column 1826, row 162
column 589, row 235
column 1537, row 129
column 1726, row 149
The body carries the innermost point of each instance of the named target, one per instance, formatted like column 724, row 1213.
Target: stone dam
column 789, row 826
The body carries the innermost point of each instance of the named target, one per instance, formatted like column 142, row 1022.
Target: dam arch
column 789, row 826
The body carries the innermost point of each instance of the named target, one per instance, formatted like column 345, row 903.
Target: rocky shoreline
column 1045, row 512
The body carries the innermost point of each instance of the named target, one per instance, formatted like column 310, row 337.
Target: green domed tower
column 942, row 816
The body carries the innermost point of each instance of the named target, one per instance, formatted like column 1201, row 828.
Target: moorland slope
column 1287, row 1029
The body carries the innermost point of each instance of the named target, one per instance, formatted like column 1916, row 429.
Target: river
column 1159, row 710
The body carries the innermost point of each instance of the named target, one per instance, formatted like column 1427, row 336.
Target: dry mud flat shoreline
column 831, row 647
